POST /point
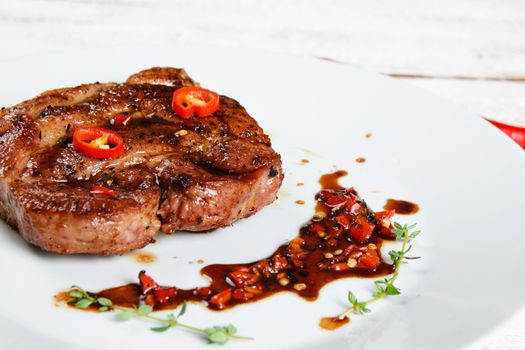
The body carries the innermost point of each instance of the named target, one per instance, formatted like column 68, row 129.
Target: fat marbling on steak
column 192, row 174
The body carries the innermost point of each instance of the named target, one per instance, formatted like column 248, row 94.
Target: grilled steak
column 192, row 174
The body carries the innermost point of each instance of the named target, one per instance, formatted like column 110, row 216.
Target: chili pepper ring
column 97, row 142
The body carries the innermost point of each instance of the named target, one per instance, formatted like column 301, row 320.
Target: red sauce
column 401, row 207
column 145, row 258
column 332, row 323
column 331, row 181
column 342, row 242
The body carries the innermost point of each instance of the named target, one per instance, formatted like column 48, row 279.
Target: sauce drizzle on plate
column 343, row 239
column 401, row 207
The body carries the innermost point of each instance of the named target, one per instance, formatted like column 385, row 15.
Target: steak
column 193, row 174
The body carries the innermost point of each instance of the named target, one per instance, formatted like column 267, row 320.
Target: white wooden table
column 469, row 51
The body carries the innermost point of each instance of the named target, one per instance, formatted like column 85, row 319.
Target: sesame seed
column 284, row 281
column 372, row 246
column 320, row 214
column 321, row 234
column 328, row 255
column 281, row 275
column 299, row 286
column 181, row 133
column 338, row 252
column 351, row 263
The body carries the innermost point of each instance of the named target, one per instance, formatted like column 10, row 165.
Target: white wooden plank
column 499, row 100
column 480, row 38
column 434, row 38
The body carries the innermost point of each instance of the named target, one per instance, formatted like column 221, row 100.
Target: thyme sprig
column 215, row 335
column 386, row 287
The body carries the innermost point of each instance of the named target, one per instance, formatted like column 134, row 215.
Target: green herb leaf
column 392, row 290
column 78, row 295
column 77, row 288
column 104, row 301
column 361, row 307
column 124, row 316
column 398, row 232
column 395, row 256
column 160, row 329
column 182, row 310
column 145, row 309
column 378, row 291
column 414, row 235
column 351, row 298
column 103, row 308
column 83, row 303
column 218, row 337
column 231, row 329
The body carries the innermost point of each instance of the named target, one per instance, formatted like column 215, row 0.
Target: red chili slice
column 362, row 232
column 147, row 283
column 220, row 299
column 325, row 194
column 382, row 215
column 121, row 119
column 204, row 291
column 335, row 201
column 238, row 294
column 355, row 208
column 163, row 295
column 97, row 142
column 343, row 220
column 369, row 260
column 315, row 227
column 340, row 267
column 279, row 262
column 102, row 190
column 194, row 101
column 257, row 289
column 240, row 278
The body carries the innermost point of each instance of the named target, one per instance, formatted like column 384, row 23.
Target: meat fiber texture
column 192, row 174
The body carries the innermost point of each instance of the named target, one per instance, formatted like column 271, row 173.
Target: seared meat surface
column 191, row 174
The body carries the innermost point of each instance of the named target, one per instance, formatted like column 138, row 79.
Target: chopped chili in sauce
column 120, row 119
column 343, row 239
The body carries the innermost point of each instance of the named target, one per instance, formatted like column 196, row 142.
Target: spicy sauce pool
column 343, row 239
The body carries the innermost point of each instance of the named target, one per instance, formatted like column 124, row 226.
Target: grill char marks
column 191, row 174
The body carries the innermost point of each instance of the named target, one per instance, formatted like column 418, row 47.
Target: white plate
column 467, row 177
